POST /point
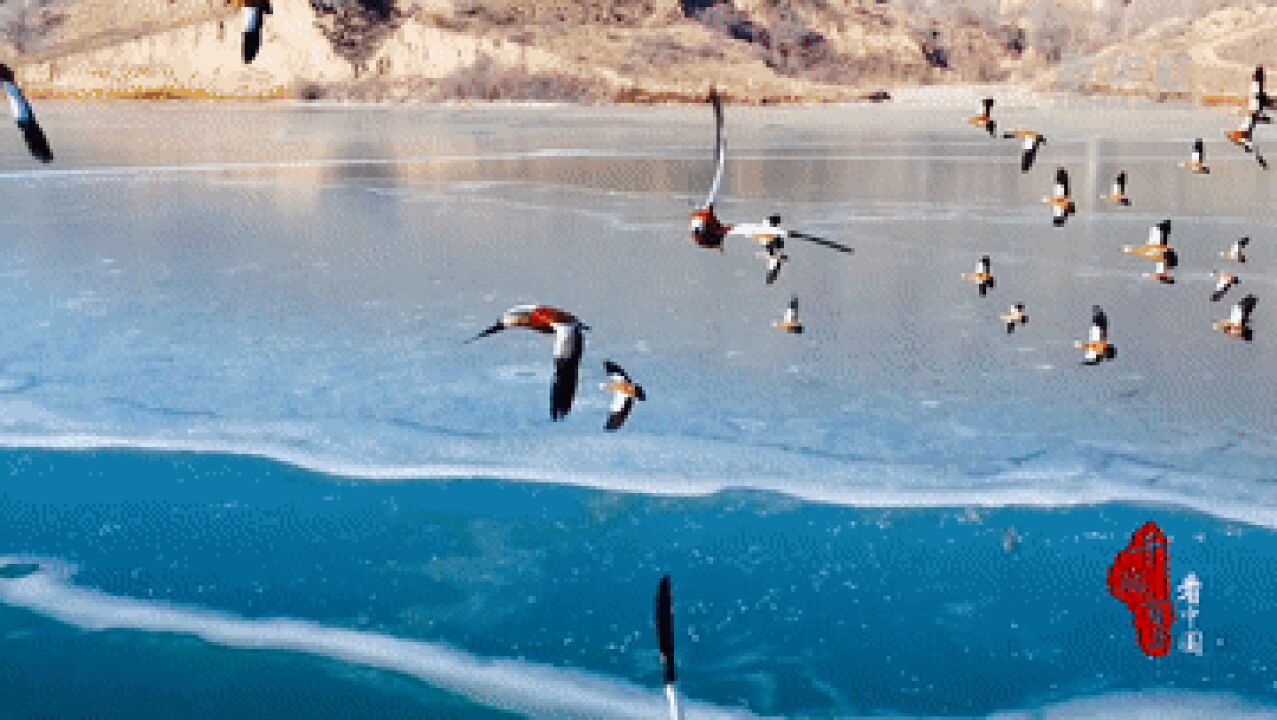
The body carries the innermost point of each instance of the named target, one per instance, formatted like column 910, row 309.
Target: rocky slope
column 582, row 50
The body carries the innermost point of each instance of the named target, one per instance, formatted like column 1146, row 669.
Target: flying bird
column 254, row 12
column 1237, row 252
column 1244, row 138
column 1015, row 316
column 24, row 117
column 766, row 233
column 1097, row 347
column 790, row 323
column 985, row 119
column 665, row 642
column 1117, row 194
column 1157, row 248
column 1060, row 200
column 1030, row 141
column 775, row 258
column 569, row 342
column 708, row 231
column 1238, row 323
column 1223, row 283
column 624, row 394
column 1196, row 164
column 982, row 277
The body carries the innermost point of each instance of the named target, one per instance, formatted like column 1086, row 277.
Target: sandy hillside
column 1175, row 57
column 598, row 50
column 558, row 49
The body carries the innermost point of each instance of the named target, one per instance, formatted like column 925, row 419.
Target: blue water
column 320, row 503
column 784, row 607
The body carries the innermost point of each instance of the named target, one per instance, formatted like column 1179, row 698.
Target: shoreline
column 1026, row 498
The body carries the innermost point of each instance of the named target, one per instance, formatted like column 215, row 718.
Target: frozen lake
column 296, row 282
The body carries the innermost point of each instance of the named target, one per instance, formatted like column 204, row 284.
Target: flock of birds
column 1157, row 249
column 708, row 231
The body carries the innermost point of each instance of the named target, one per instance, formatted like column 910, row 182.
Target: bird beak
column 496, row 328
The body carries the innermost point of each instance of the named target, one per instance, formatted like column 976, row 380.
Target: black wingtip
column 490, row 330
column 665, row 629
column 252, row 43
column 36, row 141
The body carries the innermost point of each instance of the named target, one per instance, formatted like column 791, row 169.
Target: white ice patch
column 529, row 689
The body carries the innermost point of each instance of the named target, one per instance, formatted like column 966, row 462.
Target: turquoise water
column 258, row 474
column 784, row 607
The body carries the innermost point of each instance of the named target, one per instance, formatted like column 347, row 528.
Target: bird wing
column 18, row 104
column 1030, row 153
column 1241, row 243
column 773, row 269
column 568, row 345
column 839, row 247
column 720, row 147
column 1156, row 235
column 1119, row 184
column 1061, row 183
column 1243, row 309
column 251, row 45
column 665, row 629
column 615, row 373
column 36, row 141
column 760, row 232
column 1099, row 326
column 1198, row 150
column 621, row 406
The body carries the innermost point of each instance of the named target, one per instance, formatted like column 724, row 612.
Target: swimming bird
column 1030, row 141
column 1015, row 316
column 982, row 277
column 1237, row 252
column 707, row 230
column 1157, row 248
column 624, row 394
column 1196, row 164
column 1238, row 323
column 790, row 323
column 24, row 117
column 1097, row 347
column 254, row 12
column 1223, row 283
column 774, row 257
column 569, row 342
column 1117, row 195
column 1060, row 200
column 665, row 642
column 985, row 119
